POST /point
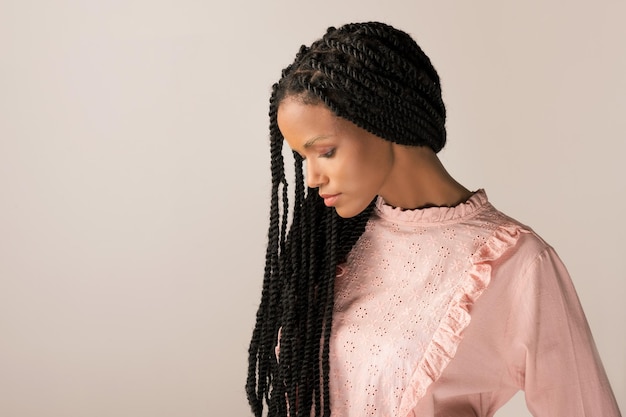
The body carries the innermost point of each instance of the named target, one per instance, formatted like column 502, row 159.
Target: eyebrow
column 312, row 141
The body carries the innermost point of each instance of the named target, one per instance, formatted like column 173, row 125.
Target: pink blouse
column 450, row 311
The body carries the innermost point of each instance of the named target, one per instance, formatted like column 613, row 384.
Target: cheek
column 373, row 166
column 353, row 173
column 362, row 168
column 360, row 183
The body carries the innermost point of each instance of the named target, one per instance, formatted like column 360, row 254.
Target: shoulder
column 521, row 248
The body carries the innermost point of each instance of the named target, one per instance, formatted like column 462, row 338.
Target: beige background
column 134, row 178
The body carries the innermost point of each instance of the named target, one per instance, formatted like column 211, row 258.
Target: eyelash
column 328, row 154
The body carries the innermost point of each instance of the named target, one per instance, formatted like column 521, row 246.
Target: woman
column 393, row 290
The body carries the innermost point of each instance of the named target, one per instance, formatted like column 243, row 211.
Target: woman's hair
column 378, row 78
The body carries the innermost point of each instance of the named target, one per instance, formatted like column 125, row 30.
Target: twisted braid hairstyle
column 378, row 78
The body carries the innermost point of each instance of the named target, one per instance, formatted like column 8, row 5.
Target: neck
column 418, row 179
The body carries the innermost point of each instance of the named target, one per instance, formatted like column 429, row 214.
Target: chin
column 343, row 214
column 348, row 212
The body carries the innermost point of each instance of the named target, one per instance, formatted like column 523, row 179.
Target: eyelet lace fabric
column 403, row 299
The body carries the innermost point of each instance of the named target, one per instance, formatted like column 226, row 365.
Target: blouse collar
column 475, row 203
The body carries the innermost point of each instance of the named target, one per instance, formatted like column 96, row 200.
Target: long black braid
column 378, row 78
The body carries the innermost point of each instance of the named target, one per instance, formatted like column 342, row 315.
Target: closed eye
column 328, row 154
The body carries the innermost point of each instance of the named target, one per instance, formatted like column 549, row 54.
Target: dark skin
column 351, row 166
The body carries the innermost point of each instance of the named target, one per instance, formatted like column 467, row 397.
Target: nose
column 314, row 177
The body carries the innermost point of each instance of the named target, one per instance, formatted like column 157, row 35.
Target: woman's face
column 347, row 164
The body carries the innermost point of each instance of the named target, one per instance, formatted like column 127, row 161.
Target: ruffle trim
column 433, row 215
column 446, row 339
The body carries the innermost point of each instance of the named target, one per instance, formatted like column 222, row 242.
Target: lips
column 330, row 199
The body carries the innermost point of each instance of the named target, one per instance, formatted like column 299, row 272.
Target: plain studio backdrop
column 134, row 178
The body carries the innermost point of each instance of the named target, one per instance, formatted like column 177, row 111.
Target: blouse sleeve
column 562, row 373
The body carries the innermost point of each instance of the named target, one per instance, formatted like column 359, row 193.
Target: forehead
column 300, row 123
